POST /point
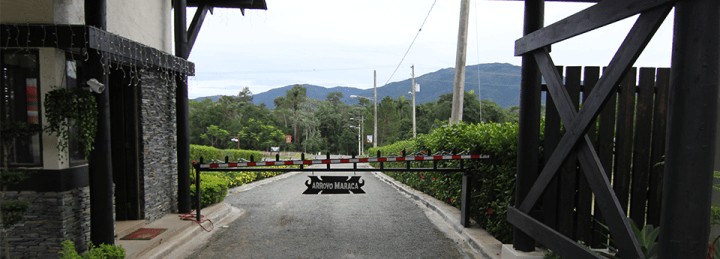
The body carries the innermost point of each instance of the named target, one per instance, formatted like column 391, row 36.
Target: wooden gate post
column 529, row 133
column 691, row 133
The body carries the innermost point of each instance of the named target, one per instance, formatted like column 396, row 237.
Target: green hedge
column 211, row 153
column 493, row 178
column 214, row 186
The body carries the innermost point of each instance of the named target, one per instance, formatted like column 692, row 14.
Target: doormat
column 144, row 234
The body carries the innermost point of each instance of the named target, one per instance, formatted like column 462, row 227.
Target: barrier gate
column 302, row 163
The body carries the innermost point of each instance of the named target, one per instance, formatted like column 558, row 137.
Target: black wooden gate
column 629, row 139
column 577, row 142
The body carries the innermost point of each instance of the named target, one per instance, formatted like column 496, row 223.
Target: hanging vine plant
column 66, row 107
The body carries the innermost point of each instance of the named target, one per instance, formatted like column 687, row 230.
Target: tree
column 290, row 105
column 256, row 135
column 492, row 112
column 216, row 136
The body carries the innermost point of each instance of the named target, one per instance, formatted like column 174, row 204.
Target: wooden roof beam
column 240, row 4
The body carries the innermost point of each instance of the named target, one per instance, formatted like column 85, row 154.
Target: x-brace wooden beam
column 577, row 124
column 195, row 26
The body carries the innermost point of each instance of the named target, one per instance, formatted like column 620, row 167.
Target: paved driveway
column 281, row 222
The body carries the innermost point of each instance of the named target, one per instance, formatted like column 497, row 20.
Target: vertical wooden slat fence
column 629, row 138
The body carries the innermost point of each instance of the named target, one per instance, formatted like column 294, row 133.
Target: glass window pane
column 20, row 103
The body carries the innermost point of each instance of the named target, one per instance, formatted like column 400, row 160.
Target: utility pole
column 375, row 131
column 412, row 91
column 459, row 87
column 362, row 134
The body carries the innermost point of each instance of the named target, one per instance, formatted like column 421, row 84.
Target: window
column 20, row 102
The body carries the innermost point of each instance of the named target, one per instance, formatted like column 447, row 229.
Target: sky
column 340, row 43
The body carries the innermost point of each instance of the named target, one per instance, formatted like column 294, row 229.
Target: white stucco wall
column 42, row 11
column 145, row 21
column 30, row 11
column 52, row 74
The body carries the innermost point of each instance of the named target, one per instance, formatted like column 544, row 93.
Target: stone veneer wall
column 159, row 145
column 51, row 218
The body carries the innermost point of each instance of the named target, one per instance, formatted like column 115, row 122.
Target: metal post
column 359, row 139
column 412, row 92
column 197, row 192
column 691, row 133
column 181, row 110
column 102, row 213
column 362, row 134
column 375, row 131
column 529, row 135
column 354, row 164
column 302, row 157
column 465, row 199
column 382, row 164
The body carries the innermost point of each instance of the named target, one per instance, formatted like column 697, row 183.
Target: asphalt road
column 281, row 222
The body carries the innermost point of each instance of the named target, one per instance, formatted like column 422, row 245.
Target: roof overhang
column 80, row 38
column 239, row 4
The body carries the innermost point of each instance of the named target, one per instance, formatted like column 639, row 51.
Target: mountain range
column 499, row 82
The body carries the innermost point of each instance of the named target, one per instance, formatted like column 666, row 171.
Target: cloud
column 340, row 43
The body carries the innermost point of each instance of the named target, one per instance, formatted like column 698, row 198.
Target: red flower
column 422, row 177
column 452, row 200
column 490, row 211
column 433, row 179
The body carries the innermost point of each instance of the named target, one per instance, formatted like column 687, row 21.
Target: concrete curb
column 192, row 237
column 479, row 240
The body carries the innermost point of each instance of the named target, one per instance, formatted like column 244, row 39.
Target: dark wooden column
column 181, row 109
column 529, row 135
column 691, row 134
column 102, row 222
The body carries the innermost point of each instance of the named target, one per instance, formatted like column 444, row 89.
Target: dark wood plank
column 662, row 83
column 641, row 149
column 240, row 4
column 584, row 205
column 195, row 25
column 561, row 99
column 624, row 139
column 596, row 16
column 605, row 149
column 565, row 247
column 567, row 177
column 552, row 137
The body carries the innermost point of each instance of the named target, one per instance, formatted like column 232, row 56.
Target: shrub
column 239, row 178
column 266, row 174
column 104, row 251
column 493, row 179
column 213, row 189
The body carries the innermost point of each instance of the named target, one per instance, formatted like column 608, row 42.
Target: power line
column 411, row 43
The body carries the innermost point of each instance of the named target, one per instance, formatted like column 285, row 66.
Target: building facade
column 44, row 45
